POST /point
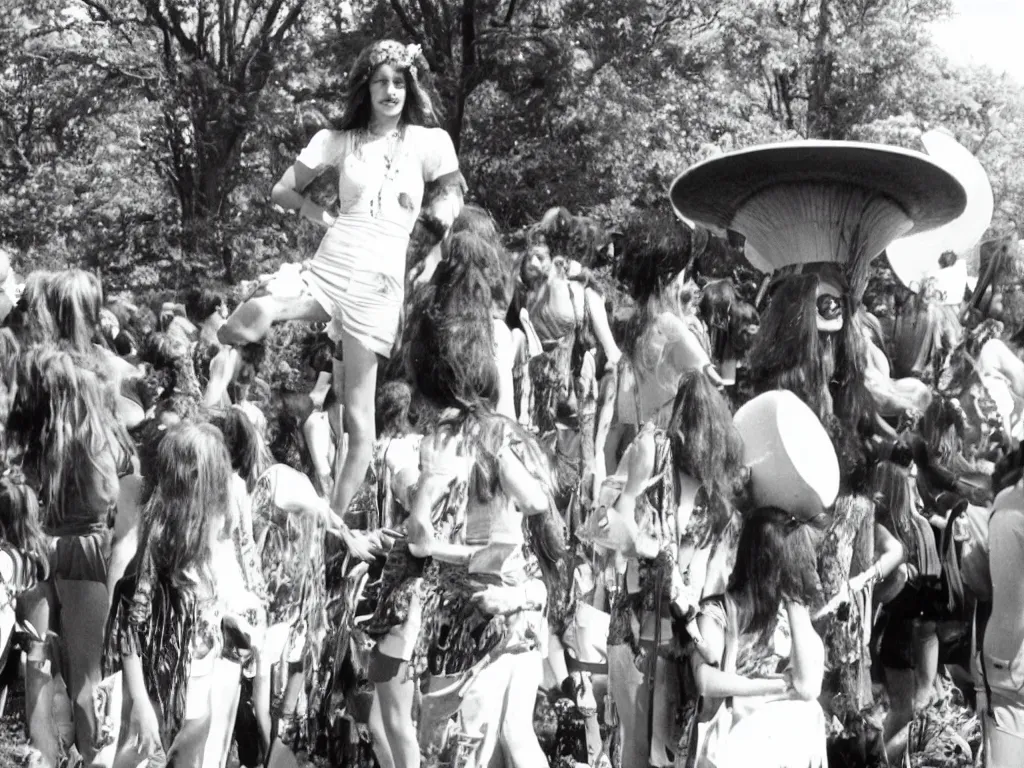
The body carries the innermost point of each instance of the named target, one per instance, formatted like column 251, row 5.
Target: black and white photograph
column 511, row 384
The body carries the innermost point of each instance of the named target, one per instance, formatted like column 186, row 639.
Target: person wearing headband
column 394, row 167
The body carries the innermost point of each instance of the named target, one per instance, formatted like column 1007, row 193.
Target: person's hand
column 379, row 542
column 499, row 601
column 862, row 579
column 318, row 397
column 356, row 542
column 619, row 532
column 144, row 729
column 712, row 373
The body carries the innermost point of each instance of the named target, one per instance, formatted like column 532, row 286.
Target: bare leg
column 926, row 663
column 226, row 695
column 281, row 755
column 336, row 418
column 518, row 738
column 34, row 607
column 381, row 746
column 360, row 388
column 396, row 699
column 250, row 322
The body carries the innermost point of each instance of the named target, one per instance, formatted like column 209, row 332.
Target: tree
column 215, row 59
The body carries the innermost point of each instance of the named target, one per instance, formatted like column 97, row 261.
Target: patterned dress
column 290, row 550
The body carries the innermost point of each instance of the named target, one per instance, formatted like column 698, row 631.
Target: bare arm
column 317, row 433
column 807, row 656
column 222, row 371
column 715, row 683
column 321, row 389
column 287, row 193
column 602, row 330
column 419, row 525
column 125, row 536
column 605, row 436
column 505, row 357
column 995, row 355
column 525, row 490
column 888, row 552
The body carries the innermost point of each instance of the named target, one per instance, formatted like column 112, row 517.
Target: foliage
column 141, row 138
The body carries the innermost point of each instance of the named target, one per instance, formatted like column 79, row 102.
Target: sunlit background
column 989, row 32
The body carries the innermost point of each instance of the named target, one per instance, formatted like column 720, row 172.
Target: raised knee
column 248, row 324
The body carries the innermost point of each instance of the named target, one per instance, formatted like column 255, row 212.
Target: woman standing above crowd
column 391, row 159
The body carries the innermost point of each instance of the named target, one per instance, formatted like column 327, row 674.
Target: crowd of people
column 560, row 499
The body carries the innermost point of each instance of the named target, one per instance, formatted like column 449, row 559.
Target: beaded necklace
column 395, row 138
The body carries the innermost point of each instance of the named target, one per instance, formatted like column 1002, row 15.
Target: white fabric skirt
column 358, row 276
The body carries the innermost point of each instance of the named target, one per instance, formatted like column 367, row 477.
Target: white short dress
column 358, row 273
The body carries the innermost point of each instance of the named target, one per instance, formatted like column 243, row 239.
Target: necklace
column 394, row 138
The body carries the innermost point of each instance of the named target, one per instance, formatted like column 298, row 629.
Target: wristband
column 314, row 212
column 434, row 225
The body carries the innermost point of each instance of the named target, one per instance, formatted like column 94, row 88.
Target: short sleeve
column 714, row 609
column 440, row 158
column 317, row 153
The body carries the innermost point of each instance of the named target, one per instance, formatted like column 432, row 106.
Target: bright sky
column 986, row 32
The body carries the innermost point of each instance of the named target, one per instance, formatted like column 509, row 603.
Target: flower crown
column 394, row 53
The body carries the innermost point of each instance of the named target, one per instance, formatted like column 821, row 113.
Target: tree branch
column 406, row 21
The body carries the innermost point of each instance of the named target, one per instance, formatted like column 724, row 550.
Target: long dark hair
column 705, row 444
column 63, row 418
column 448, row 342
column 75, row 298
column 775, row 561
column 894, row 505
column 191, row 494
column 654, row 248
column 20, row 524
column 31, row 318
column 250, row 457
column 419, row 106
column 826, row 371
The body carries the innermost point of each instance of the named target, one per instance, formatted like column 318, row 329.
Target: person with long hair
column 762, row 659
column 460, row 576
column 31, row 319
column 811, row 344
column 396, row 455
column 182, row 605
column 24, row 569
column 909, row 646
column 675, row 523
column 664, row 336
column 472, row 218
column 564, row 346
column 249, row 459
column 63, row 426
column 75, row 300
column 279, row 506
column 449, row 288
column 394, row 166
